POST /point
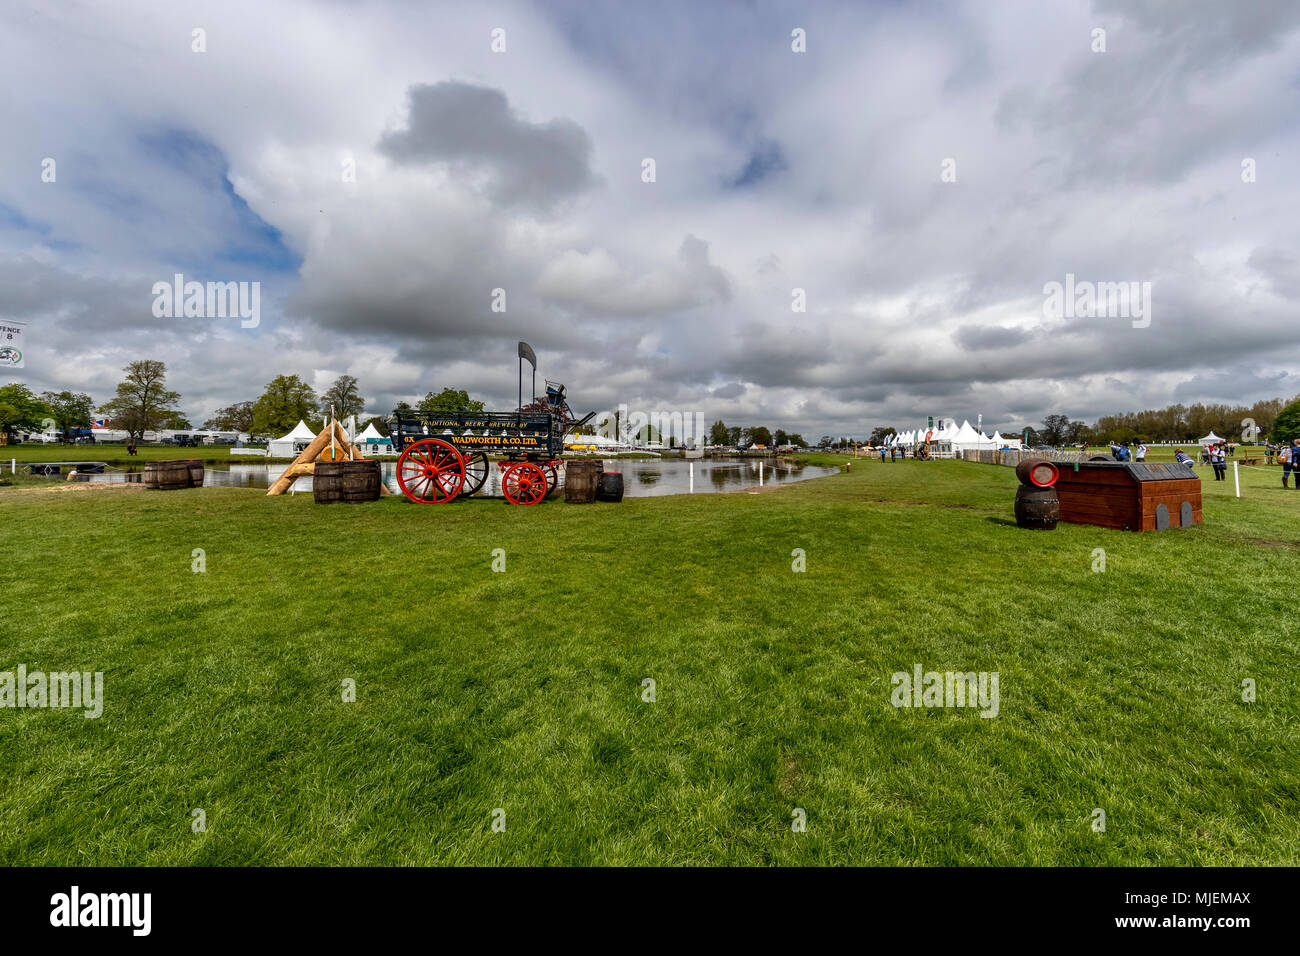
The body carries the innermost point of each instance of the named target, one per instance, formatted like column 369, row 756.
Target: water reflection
column 641, row 477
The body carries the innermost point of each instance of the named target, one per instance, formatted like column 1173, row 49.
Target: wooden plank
column 1101, row 522
column 1114, row 492
column 1096, row 476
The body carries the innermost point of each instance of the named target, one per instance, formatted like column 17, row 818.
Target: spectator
column 1183, row 458
column 1219, row 459
column 1268, row 453
column 1141, row 452
column 1285, row 456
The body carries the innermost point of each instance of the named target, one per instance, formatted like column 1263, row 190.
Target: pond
column 642, row 477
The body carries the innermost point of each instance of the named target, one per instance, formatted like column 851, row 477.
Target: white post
column 760, row 473
column 692, row 491
column 1236, row 476
column 13, row 466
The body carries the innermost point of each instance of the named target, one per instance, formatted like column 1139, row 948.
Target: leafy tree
column 69, row 409
column 178, row 422
column 1077, row 432
column 881, row 434
column 286, row 401
column 825, row 441
column 718, row 433
column 1055, row 429
column 779, row 437
column 143, row 402
column 759, row 435
column 232, row 418
column 734, row 434
column 648, row 433
column 1287, row 425
column 344, row 397
column 20, row 410
column 796, row 440
column 449, row 400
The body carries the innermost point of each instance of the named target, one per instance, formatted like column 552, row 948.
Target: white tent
column 372, row 442
column 1210, row 439
column 287, row 446
column 599, row 442
column 967, row 438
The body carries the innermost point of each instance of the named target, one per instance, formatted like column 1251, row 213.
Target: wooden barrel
column 580, row 480
column 360, row 481
column 610, row 486
column 196, row 472
column 1037, row 473
column 327, row 482
column 172, row 475
column 151, row 474
column 1037, row 508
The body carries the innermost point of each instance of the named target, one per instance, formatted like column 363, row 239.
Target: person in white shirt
column 1141, row 452
column 1219, row 459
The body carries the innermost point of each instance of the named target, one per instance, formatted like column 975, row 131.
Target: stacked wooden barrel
column 170, row 475
column 581, row 478
column 610, row 486
column 1037, row 505
column 351, row 482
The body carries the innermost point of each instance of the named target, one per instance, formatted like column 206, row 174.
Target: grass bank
column 524, row 690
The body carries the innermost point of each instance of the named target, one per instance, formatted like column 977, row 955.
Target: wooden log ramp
column 330, row 445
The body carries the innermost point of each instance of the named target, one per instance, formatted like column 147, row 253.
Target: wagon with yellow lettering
column 445, row 455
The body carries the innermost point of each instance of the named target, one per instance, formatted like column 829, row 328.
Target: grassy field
column 523, row 690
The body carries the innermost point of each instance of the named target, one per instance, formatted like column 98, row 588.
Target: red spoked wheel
column 431, row 472
column 552, row 469
column 523, row 483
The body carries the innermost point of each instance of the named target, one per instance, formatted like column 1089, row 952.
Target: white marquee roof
column 300, row 432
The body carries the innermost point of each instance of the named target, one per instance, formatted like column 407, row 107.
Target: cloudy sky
column 380, row 169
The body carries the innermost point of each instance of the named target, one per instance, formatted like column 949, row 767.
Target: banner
column 526, row 352
column 11, row 345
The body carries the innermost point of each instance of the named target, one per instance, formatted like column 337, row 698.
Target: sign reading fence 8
column 11, row 341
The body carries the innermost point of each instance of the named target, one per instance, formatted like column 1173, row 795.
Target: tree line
column 722, row 434
column 143, row 403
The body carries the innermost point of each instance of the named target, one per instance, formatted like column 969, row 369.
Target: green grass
column 522, row 690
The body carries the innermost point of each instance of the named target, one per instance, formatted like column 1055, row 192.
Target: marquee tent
column 372, row 442
column 1210, row 439
column 287, row 446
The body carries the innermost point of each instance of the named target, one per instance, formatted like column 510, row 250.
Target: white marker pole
column 13, row 466
column 1236, row 476
column 760, row 474
column 692, row 491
